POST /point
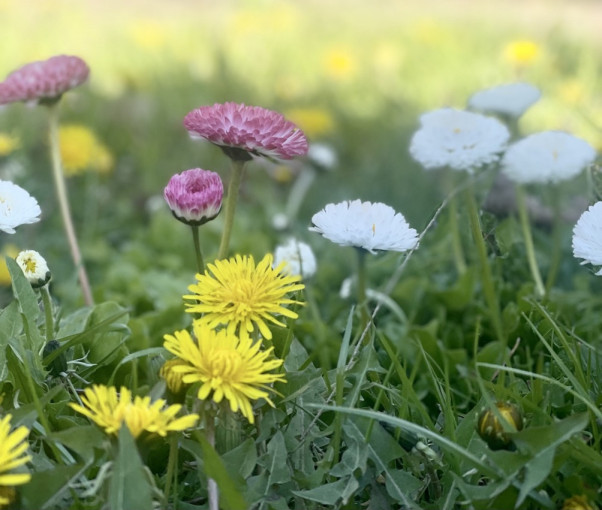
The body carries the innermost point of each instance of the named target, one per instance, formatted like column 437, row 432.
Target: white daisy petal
column 512, row 99
column 458, row 139
column 587, row 236
column 549, row 156
column 17, row 207
column 298, row 256
column 371, row 226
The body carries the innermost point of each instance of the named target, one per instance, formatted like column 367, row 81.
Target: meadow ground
column 460, row 371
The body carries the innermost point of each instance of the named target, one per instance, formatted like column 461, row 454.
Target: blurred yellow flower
column 430, row 32
column 81, row 150
column 339, row 63
column 315, row 122
column 522, row 52
column 8, row 143
column 571, row 91
column 578, row 503
column 9, row 250
column 148, row 34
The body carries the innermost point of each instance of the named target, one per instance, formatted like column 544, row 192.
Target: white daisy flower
column 298, row 257
column 371, row 226
column 587, row 237
column 458, row 139
column 17, row 207
column 34, row 267
column 549, row 156
column 512, row 99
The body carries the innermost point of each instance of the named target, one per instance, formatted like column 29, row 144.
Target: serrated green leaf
column 24, row 294
column 327, row 494
column 242, row 459
column 45, row 487
column 278, row 467
column 230, row 496
column 129, row 485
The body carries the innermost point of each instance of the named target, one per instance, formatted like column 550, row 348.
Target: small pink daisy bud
column 244, row 130
column 44, row 80
column 194, row 196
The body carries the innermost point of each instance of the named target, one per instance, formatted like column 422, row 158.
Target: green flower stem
column 298, row 192
column 211, row 484
column 238, row 168
column 197, row 249
column 47, row 312
column 456, row 238
column 556, row 240
column 36, row 400
column 524, row 222
column 172, row 462
column 486, row 276
column 61, row 193
column 361, row 287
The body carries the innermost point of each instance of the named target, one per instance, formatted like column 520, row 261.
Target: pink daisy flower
column 194, row 196
column 242, row 130
column 45, row 79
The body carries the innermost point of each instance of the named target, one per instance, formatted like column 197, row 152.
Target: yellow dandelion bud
column 578, row 503
column 492, row 431
column 172, row 378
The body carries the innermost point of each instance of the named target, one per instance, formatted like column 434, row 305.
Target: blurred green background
column 353, row 74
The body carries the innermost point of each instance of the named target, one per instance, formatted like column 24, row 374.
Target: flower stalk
column 61, row 192
column 486, row 276
column 526, row 228
column 197, row 249
column 238, row 168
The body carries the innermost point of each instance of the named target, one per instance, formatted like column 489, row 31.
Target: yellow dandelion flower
column 226, row 366
column 521, row 53
column 12, row 454
column 8, row 144
column 173, row 379
column 243, row 296
column 109, row 410
column 81, row 150
column 9, row 250
column 314, row 122
column 148, row 34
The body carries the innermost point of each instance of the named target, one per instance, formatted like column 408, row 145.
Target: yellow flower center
column 30, row 265
column 225, row 365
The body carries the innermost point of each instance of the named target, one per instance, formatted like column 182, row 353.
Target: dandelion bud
column 578, row 503
column 194, row 196
column 493, row 432
column 34, row 268
column 58, row 365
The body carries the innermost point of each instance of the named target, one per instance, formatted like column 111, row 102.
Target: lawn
column 431, row 340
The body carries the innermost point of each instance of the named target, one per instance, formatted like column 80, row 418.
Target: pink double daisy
column 44, row 80
column 243, row 130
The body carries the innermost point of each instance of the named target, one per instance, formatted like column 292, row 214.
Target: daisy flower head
column 110, row 409
column 458, row 139
column 242, row 130
column 370, row 226
column 34, row 267
column 194, row 196
column 512, row 99
column 297, row 257
column 549, row 156
column 12, row 455
column 226, row 365
column 587, row 237
column 44, row 80
column 17, row 207
column 243, row 296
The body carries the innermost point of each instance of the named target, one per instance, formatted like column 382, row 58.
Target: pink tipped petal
column 45, row 79
column 249, row 128
column 195, row 196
